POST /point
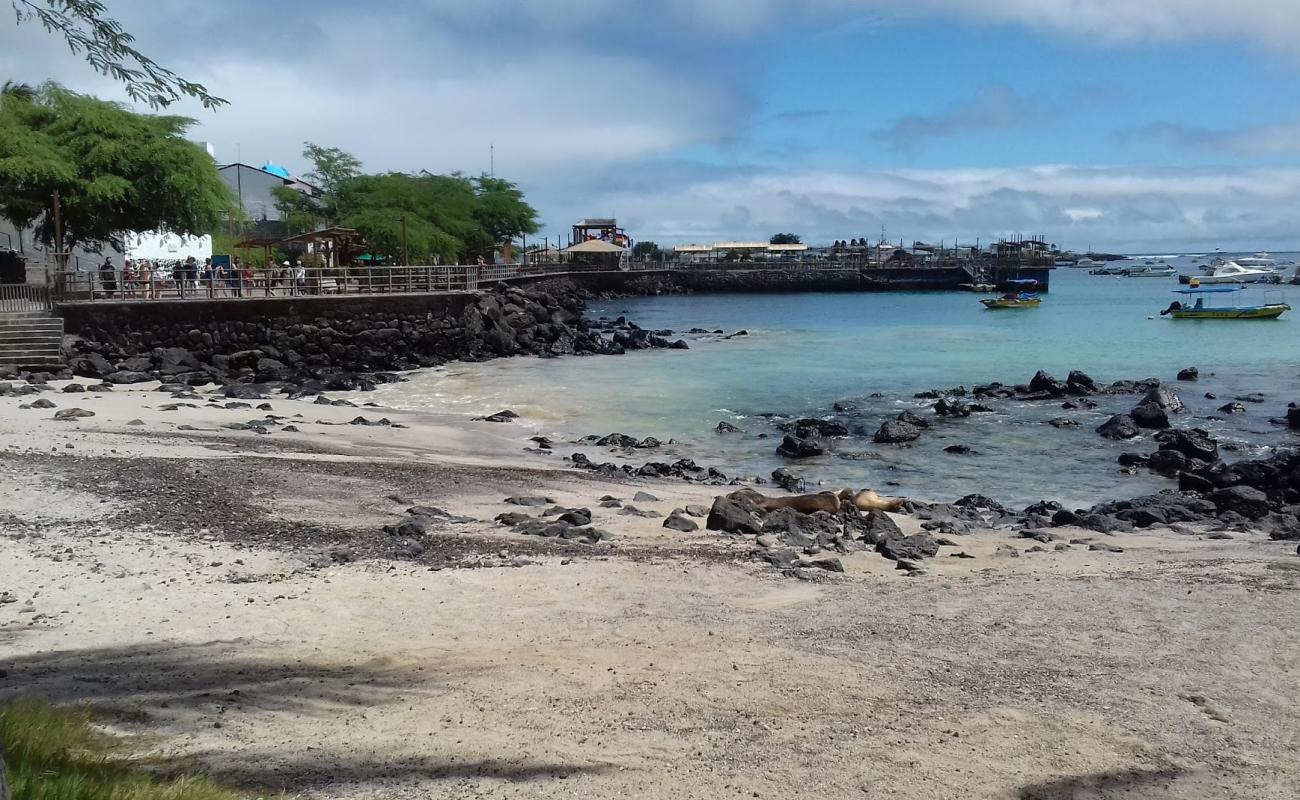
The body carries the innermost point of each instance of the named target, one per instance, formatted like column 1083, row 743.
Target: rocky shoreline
column 346, row 351
column 298, row 358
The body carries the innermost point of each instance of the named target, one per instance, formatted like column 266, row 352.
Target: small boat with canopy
column 1016, row 299
column 1198, row 305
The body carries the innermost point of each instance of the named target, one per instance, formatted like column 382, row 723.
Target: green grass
column 56, row 754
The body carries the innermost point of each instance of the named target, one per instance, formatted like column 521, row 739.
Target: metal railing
column 118, row 285
column 22, row 297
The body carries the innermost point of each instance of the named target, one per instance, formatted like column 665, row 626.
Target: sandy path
column 656, row 666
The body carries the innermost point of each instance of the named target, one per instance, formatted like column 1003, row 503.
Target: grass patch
column 56, row 754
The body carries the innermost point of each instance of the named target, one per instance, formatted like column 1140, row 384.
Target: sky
column 1125, row 125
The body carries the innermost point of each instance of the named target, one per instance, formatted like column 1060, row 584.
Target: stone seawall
column 296, row 339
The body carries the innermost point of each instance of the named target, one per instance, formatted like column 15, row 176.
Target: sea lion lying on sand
column 868, row 500
column 830, row 502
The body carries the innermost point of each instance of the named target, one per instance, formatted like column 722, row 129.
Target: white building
column 163, row 246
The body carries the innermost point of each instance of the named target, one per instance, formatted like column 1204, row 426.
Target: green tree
column 501, row 211
column 438, row 212
column 106, row 46
column 331, row 168
column 786, row 238
column 115, row 170
column 647, row 251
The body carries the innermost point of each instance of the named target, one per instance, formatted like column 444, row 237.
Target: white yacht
column 1260, row 259
column 1232, row 272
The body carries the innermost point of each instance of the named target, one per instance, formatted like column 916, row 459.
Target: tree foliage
column 448, row 218
column 106, row 46
column 648, row 251
column 786, row 238
column 115, row 170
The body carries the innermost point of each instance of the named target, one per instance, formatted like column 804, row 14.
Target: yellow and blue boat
column 1201, row 309
column 1020, row 300
column 1017, row 299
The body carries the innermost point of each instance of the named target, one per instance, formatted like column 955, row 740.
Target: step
column 42, row 327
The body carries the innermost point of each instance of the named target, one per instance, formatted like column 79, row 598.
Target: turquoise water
column 807, row 351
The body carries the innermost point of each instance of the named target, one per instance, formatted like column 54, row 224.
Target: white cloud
column 1122, row 208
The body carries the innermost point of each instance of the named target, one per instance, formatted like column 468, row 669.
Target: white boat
column 1150, row 271
column 1257, row 260
column 1232, row 272
column 1087, row 263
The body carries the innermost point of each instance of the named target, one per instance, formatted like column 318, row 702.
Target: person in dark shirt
column 108, row 277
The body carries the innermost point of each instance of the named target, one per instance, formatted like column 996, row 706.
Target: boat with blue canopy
column 1199, row 304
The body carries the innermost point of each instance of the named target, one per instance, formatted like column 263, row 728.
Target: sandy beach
column 232, row 599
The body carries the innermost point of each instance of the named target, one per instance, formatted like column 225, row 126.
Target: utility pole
column 60, row 257
column 492, row 160
column 406, row 259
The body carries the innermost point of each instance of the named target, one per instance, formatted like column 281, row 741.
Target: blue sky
column 1160, row 125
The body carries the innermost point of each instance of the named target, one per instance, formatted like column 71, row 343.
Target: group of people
column 140, row 278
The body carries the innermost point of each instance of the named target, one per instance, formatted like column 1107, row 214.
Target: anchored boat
column 1150, row 271
column 1201, row 308
column 1013, row 300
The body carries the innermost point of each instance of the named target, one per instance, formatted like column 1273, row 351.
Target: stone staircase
column 31, row 339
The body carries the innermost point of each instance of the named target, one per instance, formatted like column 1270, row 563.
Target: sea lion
column 803, row 503
column 868, row 500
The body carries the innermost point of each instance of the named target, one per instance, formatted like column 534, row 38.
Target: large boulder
column 1120, row 426
column 1164, row 397
column 1244, row 500
column 1167, row 462
column 876, row 526
column 733, row 515
column 897, row 432
column 1080, row 383
column 1293, row 416
column 807, row 428
column 92, row 365
column 1043, row 382
column 794, row 447
column 951, row 408
column 800, row 530
column 908, row 548
column 175, row 360
column 1189, row 374
column 128, row 376
column 1150, row 415
column 1193, row 443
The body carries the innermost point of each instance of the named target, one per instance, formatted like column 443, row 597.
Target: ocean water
column 804, row 352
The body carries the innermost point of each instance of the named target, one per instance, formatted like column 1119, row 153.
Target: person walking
column 206, row 275
column 159, row 275
column 108, row 277
column 128, row 279
column 235, row 278
column 192, row 274
column 299, row 278
column 146, row 279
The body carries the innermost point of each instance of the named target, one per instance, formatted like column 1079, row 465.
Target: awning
column 595, row 247
column 741, row 245
column 693, row 248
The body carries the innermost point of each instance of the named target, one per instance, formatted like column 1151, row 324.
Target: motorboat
column 1200, row 308
column 1150, row 271
column 1087, row 263
column 1232, row 272
column 1109, row 271
column 1260, row 259
column 979, row 287
column 1013, row 300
